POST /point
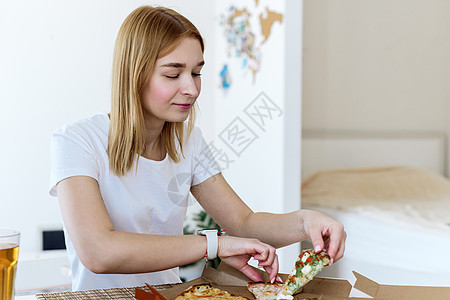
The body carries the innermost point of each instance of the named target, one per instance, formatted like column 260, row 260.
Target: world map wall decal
column 243, row 40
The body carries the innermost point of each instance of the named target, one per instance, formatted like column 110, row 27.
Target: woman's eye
column 196, row 74
column 172, row 76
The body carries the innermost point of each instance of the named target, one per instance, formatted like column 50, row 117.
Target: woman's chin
column 178, row 119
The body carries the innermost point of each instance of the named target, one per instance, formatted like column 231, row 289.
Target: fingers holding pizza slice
column 308, row 264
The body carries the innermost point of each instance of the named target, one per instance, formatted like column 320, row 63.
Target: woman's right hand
column 236, row 252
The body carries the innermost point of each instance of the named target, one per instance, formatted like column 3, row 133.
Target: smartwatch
column 212, row 242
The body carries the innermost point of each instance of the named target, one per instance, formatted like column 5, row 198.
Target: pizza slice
column 308, row 264
column 206, row 291
column 264, row 290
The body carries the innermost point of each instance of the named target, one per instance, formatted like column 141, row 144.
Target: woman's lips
column 183, row 106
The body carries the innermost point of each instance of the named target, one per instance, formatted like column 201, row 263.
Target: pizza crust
column 264, row 290
column 206, row 291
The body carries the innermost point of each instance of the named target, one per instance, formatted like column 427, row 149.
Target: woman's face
column 174, row 84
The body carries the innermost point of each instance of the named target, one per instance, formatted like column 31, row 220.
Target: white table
column 29, row 297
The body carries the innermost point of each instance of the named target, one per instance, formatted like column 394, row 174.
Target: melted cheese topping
column 306, row 269
column 305, row 256
column 281, row 296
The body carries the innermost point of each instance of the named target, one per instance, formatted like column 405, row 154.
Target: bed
column 391, row 192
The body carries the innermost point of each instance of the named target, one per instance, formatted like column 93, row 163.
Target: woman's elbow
column 97, row 262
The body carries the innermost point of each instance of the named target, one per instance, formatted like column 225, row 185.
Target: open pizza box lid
column 234, row 282
column 400, row 292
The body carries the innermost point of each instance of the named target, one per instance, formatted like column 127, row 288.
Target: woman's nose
column 191, row 87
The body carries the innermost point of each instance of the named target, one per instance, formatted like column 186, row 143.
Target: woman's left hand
column 236, row 252
column 325, row 233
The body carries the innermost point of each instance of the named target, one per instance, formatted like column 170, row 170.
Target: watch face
column 203, row 231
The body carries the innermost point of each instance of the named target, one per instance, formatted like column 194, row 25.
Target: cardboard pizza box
column 234, row 282
column 400, row 292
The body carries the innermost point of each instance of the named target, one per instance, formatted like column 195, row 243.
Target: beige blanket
column 414, row 195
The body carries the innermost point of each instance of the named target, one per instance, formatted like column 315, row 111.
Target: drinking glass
column 9, row 255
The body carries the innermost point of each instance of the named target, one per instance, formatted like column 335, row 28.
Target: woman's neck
column 154, row 148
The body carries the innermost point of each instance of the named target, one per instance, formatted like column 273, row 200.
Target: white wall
column 376, row 65
column 266, row 174
column 55, row 67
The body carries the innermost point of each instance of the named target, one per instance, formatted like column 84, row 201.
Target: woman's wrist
column 301, row 216
column 220, row 247
column 212, row 242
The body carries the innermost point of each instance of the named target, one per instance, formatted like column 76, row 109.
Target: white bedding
column 390, row 254
column 396, row 220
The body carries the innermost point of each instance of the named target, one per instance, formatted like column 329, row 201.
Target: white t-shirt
column 153, row 201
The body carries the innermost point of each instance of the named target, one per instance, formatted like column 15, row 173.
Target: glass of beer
column 9, row 255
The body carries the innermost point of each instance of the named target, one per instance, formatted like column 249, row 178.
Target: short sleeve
column 204, row 163
column 71, row 155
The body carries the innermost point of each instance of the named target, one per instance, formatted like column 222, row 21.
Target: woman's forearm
column 126, row 253
column 278, row 230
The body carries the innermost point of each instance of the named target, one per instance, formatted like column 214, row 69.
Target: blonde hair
column 147, row 34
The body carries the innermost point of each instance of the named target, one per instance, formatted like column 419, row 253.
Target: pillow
column 412, row 191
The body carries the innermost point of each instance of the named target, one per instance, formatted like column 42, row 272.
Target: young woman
column 111, row 173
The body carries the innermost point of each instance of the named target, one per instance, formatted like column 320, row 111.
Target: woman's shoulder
column 196, row 131
column 87, row 132
column 95, row 123
column 195, row 136
column 192, row 140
